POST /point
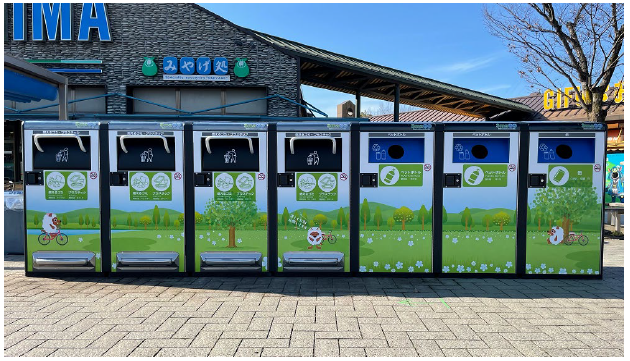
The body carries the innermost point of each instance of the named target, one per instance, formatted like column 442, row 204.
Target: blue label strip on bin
column 413, row 150
column 498, row 150
column 582, row 150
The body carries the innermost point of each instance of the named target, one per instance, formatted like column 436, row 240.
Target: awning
column 24, row 89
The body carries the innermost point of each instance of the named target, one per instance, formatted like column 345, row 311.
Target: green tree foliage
column 403, row 215
column 64, row 220
column 285, row 217
column 430, row 216
column 136, row 223
column 145, row 221
column 311, row 223
column 320, row 220
column 334, row 224
column 365, row 213
column 501, row 219
column 444, row 215
column 422, row 216
column 262, row 220
column 296, row 217
column 176, row 224
column 180, row 218
column 566, row 205
column 156, row 216
column 129, row 221
column 113, row 221
column 167, row 219
column 305, row 217
column 466, row 218
column 529, row 215
column 486, row 221
column 232, row 214
column 94, row 222
column 341, row 217
column 390, row 223
column 198, row 218
column 378, row 217
column 81, row 220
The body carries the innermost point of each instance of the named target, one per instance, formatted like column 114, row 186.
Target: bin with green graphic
column 396, row 195
column 146, row 197
column 479, row 198
column 313, row 197
column 230, row 172
column 564, row 199
column 62, row 192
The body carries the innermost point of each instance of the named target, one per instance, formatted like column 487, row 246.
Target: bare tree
column 581, row 43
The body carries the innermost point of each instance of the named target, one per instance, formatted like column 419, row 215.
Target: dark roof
column 533, row 101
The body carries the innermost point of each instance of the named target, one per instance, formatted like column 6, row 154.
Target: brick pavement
column 314, row 316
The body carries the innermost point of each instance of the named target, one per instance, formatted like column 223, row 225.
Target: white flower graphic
column 544, row 272
column 214, row 243
column 200, row 236
column 412, row 236
column 80, row 239
column 371, row 270
column 589, row 271
column 497, row 270
column 508, row 264
column 98, row 256
column 223, row 239
column 537, row 270
column 410, row 269
column 467, row 269
column 419, row 264
column 220, row 234
column 467, row 236
column 285, row 237
column 362, row 269
column 239, row 240
column 563, row 271
column 596, row 272
column 343, row 236
column 182, row 234
column 473, row 263
column 543, row 266
column 399, row 239
column 476, row 238
column 114, row 265
column 387, row 266
column 426, row 270
column 369, row 240
column 393, row 270
column 460, row 268
column 581, row 271
column 375, row 263
column 507, row 236
column 399, row 265
column 573, row 271
column 446, row 236
column 528, row 266
column 445, row 269
column 410, row 243
column 159, row 236
column 384, row 235
column 454, row 240
column 551, row 270
column 179, row 239
column 207, row 233
column 171, row 236
column 489, row 239
column 362, row 235
column 505, row 271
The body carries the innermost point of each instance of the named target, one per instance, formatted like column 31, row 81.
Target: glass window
column 163, row 96
column 237, row 95
column 194, row 99
column 98, row 105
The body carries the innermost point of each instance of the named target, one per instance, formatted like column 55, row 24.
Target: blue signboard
column 169, row 65
column 220, row 66
column 566, row 150
column 187, row 66
column 396, row 150
column 204, row 66
column 614, row 177
column 481, row 150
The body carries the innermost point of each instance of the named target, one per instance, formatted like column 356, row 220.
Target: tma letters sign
column 54, row 21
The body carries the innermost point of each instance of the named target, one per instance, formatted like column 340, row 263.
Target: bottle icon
column 552, row 154
column 466, row 154
column 557, row 178
column 383, row 156
column 472, row 179
column 389, row 177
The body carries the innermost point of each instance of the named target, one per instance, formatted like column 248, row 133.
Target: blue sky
column 445, row 42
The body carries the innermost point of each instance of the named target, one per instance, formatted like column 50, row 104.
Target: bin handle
column 123, row 137
column 251, row 144
column 37, row 137
column 293, row 139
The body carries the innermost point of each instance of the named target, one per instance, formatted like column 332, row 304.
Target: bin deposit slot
column 396, row 150
column 146, row 153
column 231, row 261
column 313, row 154
column 313, row 261
column 566, row 150
column 229, row 154
column 61, row 151
column 478, row 150
column 63, row 261
column 147, row 261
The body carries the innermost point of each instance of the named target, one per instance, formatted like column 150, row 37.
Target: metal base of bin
column 147, row 261
column 313, row 261
column 231, row 261
column 57, row 261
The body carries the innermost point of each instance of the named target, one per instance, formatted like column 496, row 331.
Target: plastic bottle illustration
column 558, row 176
column 383, row 155
column 552, row 154
column 466, row 154
column 472, row 179
column 390, row 176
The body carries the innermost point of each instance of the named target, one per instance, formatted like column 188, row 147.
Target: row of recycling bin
column 517, row 199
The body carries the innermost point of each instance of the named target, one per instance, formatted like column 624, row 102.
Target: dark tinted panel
column 146, row 154
column 62, row 153
column 229, row 154
column 313, row 155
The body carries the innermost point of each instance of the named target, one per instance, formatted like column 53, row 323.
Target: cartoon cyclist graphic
column 51, row 230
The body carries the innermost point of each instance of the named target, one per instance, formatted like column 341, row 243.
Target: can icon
column 390, row 176
column 557, row 178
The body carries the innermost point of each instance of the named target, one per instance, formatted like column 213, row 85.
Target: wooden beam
column 397, row 103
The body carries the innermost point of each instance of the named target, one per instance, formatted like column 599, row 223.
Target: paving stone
column 249, row 352
column 287, row 352
column 183, row 352
column 123, row 348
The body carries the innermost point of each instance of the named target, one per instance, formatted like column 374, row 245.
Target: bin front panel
column 395, row 215
column 479, row 216
column 63, row 214
column 314, row 213
column 231, row 211
column 147, row 214
column 564, row 217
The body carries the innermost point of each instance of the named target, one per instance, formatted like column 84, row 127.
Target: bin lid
column 322, row 126
column 14, row 200
column 238, row 126
column 146, row 125
column 60, row 125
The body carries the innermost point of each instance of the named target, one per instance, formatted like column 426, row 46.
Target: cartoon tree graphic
column 305, row 217
column 403, row 215
column 486, row 221
column 180, row 218
column 311, row 223
column 136, row 223
column 529, row 216
column 156, row 216
column 296, row 217
column 320, row 220
column 378, row 217
column 430, row 216
column 347, row 221
column 341, row 216
column 113, row 221
column 232, row 214
column 81, row 220
column 176, row 224
column 64, row 220
column 87, row 220
column 422, row 215
column 129, row 221
column 262, row 221
column 167, row 219
column 444, row 215
column 200, row 217
column 466, row 218
column 334, row 224
column 365, row 213
column 501, row 219
column 567, row 204
column 94, row 222
column 145, row 221
column 390, row 223
column 36, row 220
column 285, row 217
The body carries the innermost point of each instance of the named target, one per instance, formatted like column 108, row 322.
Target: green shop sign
column 561, row 175
column 317, row 187
column 150, row 186
column 485, row 175
column 400, row 175
column 234, row 187
column 66, row 185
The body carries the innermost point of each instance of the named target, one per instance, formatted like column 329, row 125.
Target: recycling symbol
column 459, row 147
